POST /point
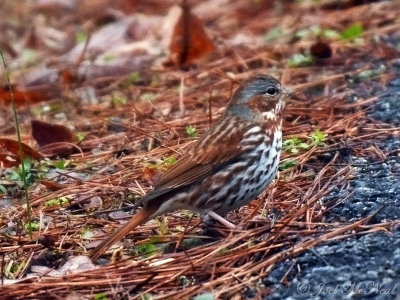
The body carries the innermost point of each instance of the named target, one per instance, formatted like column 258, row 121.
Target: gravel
column 360, row 267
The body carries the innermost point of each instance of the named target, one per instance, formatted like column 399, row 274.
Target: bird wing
column 216, row 147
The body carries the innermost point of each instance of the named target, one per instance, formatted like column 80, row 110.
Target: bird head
column 260, row 98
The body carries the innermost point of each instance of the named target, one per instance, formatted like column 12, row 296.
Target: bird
column 230, row 165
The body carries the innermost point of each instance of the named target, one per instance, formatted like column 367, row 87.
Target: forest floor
column 109, row 94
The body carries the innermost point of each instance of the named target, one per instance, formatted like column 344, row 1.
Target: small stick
column 222, row 220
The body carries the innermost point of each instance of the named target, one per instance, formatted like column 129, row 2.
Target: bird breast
column 242, row 181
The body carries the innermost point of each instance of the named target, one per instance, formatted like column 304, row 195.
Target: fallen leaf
column 61, row 149
column 48, row 240
column 73, row 265
column 28, row 95
column 321, row 49
column 152, row 174
column 45, row 133
column 27, row 151
column 144, row 108
column 52, row 185
column 8, row 161
column 189, row 40
column 119, row 215
column 68, row 76
column 94, row 202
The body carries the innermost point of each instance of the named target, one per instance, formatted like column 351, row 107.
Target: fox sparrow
column 231, row 164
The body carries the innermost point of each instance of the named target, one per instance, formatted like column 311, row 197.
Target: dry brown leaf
column 12, row 147
column 52, row 185
column 45, row 133
column 321, row 49
column 151, row 175
column 8, row 161
column 189, row 40
column 28, row 95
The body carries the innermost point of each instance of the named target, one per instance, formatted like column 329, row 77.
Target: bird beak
column 287, row 91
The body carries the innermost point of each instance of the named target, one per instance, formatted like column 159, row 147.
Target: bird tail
column 141, row 217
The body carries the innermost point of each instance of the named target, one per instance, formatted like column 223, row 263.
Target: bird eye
column 272, row 91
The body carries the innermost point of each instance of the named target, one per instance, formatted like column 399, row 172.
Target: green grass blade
column 21, row 154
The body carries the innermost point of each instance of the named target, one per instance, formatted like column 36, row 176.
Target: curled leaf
column 11, row 146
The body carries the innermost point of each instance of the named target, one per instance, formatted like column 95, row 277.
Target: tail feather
column 141, row 217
